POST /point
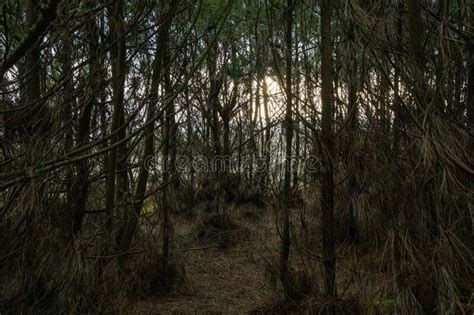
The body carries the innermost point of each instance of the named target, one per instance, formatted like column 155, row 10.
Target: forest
column 236, row 157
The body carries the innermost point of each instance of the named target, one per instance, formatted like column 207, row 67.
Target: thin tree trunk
column 296, row 124
column 352, row 126
column 32, row 118
column 470, row 118
column 327, row 151
column 288, row 124
column 69, row 101
column 129, row 226
column 421, row 93
column 81, row 184
column 397, row 101
column 415, row 30
column 169, row 154
column 267, row 145
column 214, row 106
column 118, row 83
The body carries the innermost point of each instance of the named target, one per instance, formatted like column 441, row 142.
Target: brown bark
column 118, row 82
column 327, row 151
column 80, row 186
column 288, row 125
column 352, row 125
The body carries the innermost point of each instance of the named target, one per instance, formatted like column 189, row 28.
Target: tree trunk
column 118, row 83
column 267, row 145
column 32, row 117
column 296, row 124
column 69, row 101
column 169, row 157
column 397, row 123
column 415, row 30
column 288, row 124
column 352, row 126
column 80, row 186
column 127, row 231
column 327, row 151
column 214, row 106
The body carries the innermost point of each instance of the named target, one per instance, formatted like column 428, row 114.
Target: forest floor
column 240, row 279
column 220, row 281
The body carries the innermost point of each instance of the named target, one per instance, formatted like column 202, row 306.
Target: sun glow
column 271, row 96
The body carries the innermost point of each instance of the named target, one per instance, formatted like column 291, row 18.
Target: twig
column 198, row 248
column 118, row 254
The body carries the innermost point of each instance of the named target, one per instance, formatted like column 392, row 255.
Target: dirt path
column 220, row 281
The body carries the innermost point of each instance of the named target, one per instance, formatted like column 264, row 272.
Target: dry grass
column 219, row 229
